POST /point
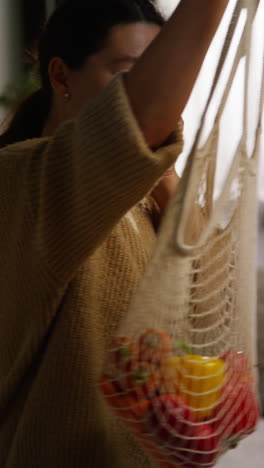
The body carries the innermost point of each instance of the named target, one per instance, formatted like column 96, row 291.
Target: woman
column 76, row 162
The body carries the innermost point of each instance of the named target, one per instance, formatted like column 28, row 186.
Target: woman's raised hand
column 160, row 83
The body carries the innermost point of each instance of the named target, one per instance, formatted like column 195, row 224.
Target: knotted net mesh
column 181, row 370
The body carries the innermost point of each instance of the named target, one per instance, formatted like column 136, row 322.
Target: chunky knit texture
column 74, row 242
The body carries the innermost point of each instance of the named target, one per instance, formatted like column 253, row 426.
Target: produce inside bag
column 184, row 409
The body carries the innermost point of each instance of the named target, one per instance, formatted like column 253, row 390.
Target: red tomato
column 237, row 364
column 142, row 379
column 238, row 412
column 154, row 345
column 170, row 421
column 173, row 426
column 203, row 447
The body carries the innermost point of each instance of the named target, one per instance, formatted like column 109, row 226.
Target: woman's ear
column 59, row 74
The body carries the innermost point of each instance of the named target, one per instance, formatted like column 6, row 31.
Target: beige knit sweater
column 74, row 242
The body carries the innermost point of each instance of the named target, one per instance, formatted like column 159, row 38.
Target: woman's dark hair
column 76, row 29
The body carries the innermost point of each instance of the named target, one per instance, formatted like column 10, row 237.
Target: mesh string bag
column 181, row 371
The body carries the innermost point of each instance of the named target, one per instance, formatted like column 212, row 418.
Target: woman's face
column 125, row 44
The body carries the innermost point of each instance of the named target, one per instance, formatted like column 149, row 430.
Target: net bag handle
column 197, row 156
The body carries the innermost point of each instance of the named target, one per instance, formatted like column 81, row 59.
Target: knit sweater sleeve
column 76, row 185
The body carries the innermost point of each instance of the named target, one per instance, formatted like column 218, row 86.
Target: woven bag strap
column 196, row 159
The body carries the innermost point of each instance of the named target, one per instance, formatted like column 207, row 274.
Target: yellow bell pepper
column 197, row 379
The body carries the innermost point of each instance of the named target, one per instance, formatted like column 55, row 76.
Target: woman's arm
column 160, row 83
column 75, row 186
column 165, row 188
